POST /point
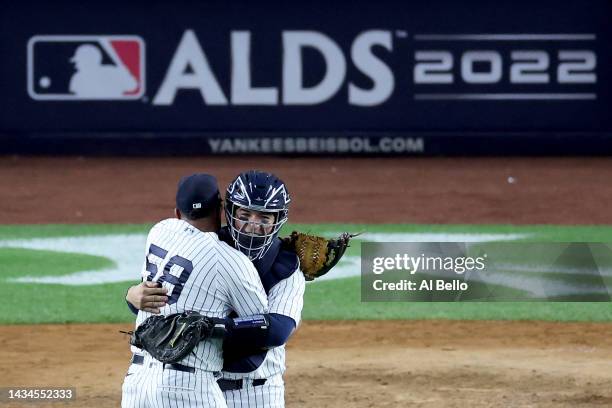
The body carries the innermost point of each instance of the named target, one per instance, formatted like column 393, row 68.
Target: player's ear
column 177, row 213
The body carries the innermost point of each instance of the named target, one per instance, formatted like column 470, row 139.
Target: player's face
column 254, row 222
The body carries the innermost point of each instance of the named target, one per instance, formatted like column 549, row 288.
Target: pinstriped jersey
column 203, row 274
column 286, row 298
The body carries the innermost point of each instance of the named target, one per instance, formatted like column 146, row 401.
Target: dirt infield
column 471, row 191
column 339, row 364
column 359, row 364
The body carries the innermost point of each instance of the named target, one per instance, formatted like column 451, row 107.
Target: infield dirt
column 338, row 364
column 358, row 364
column 439, row 191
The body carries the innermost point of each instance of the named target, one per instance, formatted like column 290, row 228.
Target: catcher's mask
column 261, row 192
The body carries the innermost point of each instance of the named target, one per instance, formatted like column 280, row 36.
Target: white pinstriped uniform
column 286, row 298
column 221, row 280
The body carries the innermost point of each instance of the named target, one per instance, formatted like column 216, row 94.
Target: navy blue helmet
column 264, row 201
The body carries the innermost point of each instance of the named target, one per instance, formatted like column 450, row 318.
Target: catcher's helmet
column 256, row 191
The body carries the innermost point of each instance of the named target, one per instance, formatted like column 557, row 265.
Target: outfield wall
column 318, row 77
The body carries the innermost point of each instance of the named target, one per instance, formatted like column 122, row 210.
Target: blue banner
column 425, row 77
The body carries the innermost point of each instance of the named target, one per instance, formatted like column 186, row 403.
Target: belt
column 138, row 359
column 230, row 385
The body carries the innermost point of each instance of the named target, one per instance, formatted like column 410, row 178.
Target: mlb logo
column 86, row 67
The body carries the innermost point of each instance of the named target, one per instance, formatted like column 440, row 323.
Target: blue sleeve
column 132, row 308
column 280, row 329
column 245, row 350
column 250, row 341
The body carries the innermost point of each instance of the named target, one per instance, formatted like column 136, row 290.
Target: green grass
column 28, row 262
column 34, row 303
column 321, row 302
column 50, row 303
column 337, row 299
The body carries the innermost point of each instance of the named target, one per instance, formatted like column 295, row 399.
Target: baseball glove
column 171, row 338
column 317, row 255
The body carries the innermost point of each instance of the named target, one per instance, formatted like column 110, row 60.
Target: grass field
column 101, row 300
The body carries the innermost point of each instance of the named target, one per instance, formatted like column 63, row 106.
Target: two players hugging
column 256, row 207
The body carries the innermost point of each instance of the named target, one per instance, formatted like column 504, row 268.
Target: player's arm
column 244, row 333
column 146, row 296
column 244, row 342
column 239, row 346
column 286, row 301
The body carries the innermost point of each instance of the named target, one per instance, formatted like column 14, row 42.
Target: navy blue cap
column 197, row 193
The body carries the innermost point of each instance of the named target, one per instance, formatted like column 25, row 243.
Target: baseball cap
column 198, row 193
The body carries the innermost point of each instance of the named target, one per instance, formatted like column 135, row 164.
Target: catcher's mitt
column 317, row 255
column 171, row 338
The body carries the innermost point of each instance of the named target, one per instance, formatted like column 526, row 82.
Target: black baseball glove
column 171, row 338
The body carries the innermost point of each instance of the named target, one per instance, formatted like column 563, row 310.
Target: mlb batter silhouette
column 93, row 79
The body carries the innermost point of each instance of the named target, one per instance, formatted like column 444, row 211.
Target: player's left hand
column 147, row 296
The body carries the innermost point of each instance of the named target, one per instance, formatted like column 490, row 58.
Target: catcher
column 254, row 360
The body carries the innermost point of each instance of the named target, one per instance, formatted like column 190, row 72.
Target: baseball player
column 200, row 273
column 256, row 208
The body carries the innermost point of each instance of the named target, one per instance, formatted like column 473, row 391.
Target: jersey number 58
column 177, row 279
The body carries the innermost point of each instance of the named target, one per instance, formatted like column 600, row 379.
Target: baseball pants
column 271, row 394
column 153, row 385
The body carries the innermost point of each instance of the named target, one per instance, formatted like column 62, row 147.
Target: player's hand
column 147, row 296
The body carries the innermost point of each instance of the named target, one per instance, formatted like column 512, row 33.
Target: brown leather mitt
column 317, row 254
